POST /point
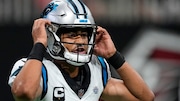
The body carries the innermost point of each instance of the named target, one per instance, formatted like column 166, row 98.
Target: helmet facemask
column 56, row 47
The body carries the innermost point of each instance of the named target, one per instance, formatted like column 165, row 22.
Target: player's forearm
column 135, row 83
column 132, row 80
column 27, row 82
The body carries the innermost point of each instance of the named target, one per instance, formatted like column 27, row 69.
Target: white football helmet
column 68, row 14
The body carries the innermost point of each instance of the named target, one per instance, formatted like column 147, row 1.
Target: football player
column 70, row 61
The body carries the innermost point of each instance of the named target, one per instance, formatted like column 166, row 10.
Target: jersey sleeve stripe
column 17, row 71
column 45, row 80
column 104, row 71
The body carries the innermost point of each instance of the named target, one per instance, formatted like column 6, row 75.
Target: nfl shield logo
column 80, row 93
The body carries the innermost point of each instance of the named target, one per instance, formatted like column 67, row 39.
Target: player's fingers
column 101, row 30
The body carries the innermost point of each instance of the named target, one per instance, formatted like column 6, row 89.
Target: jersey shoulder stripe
column 104, row 70
column 45, row 80
column 16, row 72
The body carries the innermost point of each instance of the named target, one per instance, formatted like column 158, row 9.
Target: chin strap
column 80, row 58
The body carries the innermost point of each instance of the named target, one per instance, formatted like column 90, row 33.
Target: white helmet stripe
column 76, row 8
column 84, row 9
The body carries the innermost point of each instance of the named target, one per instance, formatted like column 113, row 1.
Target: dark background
column 16, row 42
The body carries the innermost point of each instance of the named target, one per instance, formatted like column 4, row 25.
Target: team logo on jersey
column 95, row 90
column 58, row 94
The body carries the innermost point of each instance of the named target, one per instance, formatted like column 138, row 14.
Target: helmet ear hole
column 56, row 48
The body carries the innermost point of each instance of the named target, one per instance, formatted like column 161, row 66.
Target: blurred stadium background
column 147, row 32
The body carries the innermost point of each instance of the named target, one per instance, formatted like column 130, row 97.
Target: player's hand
column 39, row 31
column 104, row 45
